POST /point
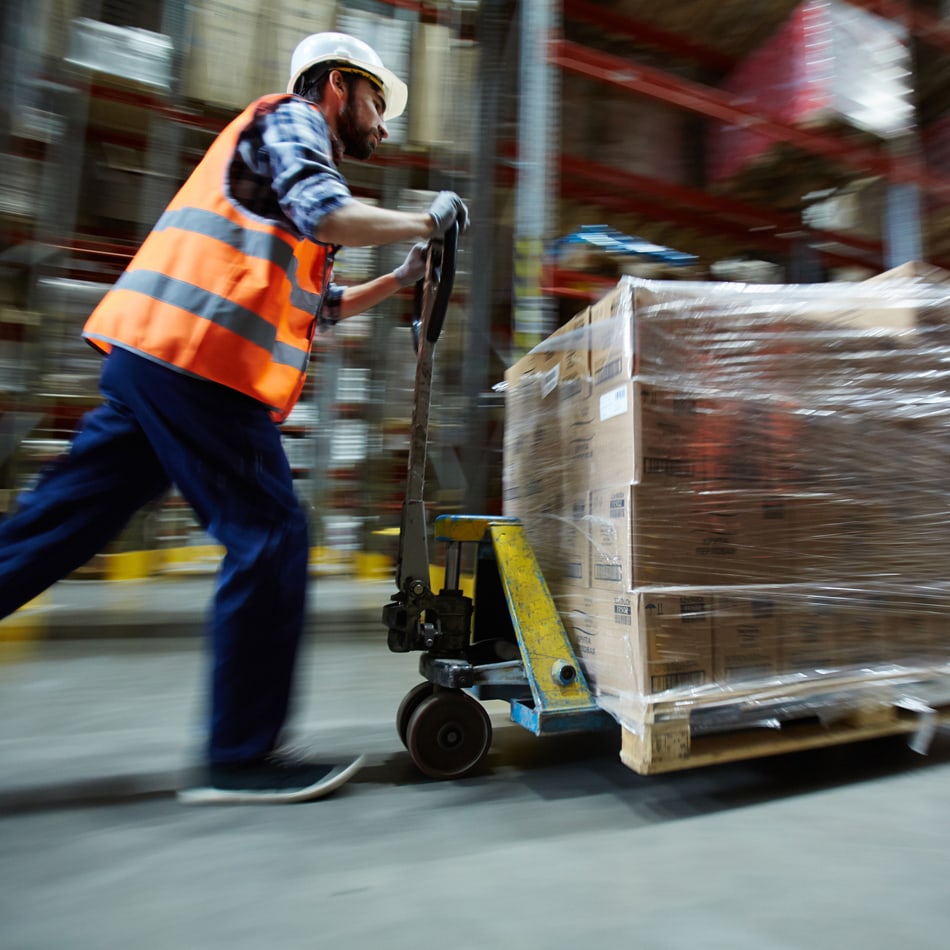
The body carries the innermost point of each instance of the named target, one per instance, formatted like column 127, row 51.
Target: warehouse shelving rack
column 575, row 36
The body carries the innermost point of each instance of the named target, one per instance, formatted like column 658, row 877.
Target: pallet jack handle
column 438, row 280
column 431, row 302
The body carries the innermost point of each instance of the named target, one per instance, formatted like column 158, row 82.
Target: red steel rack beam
column 923, row 24
column 627, row 192
column 716, row 104
column 735, row 233
column 740, row 213
column 155, row 103
column 612, row 21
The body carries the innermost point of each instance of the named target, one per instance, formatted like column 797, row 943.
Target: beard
column 357, row 143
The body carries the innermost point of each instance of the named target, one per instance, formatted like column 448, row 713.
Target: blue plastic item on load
column 615, row 242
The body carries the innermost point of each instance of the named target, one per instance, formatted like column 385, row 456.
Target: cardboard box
column 939, row 626
column 557, row 530
column 639, row 429
column 669, row 633
column 913, row 271
column 808, row 629
column 902, row 298
column 532, row 452
column 564, row 355
column 828, row 627
column 864, row 628
column 430, row 68
column 613, row 343
column 914, row 312
column 917, row 619
column 745, row 635
column 574, row 541
column 642, row 430
column 753, row 342
column 282, row 26
column 578, row 611
column 641, row 642
column 662, row 532
column 223, row 62
column 854, row 534
column 547, row 433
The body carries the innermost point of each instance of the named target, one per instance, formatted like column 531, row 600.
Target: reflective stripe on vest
column 300, row 298
column 220, row 293
column 251, row 243
column 225, row 313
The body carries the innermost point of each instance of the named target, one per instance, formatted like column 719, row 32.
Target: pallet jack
column 506, row 642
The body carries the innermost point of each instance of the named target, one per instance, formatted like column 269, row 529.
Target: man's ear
column 337, row 85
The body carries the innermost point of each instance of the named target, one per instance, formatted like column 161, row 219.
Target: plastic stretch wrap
column 739, row 494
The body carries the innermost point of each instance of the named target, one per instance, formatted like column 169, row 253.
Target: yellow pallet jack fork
column 507, row 641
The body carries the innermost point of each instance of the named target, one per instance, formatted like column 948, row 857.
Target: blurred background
column 752, row 140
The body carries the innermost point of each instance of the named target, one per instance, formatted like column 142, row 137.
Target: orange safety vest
column 217, row 292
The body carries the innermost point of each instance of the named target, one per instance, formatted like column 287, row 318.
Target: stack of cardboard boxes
column 730, row 485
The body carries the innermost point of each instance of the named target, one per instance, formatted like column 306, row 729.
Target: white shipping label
column 613, row 403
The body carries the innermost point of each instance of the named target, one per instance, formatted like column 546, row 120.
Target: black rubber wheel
column 408, row 706
column 449, row 735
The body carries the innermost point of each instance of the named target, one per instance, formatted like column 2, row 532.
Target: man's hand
column 413, row 268
column 446, row 209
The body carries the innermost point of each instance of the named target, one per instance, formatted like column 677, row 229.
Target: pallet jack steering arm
column 403, row 616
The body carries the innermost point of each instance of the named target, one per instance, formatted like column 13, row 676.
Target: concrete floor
column 555, row 844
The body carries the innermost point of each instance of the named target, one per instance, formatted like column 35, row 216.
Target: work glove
column 413, row 268
column 445, row 210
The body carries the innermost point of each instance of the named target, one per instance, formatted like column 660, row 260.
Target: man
column 207, row 336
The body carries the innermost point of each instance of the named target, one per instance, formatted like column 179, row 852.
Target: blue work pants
column 156, row 427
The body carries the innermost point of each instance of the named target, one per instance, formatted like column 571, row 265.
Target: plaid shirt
column 284, row 170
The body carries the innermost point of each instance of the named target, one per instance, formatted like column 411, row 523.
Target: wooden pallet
column 842, row 711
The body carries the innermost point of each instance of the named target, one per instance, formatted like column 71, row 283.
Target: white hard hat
column 346, row 50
